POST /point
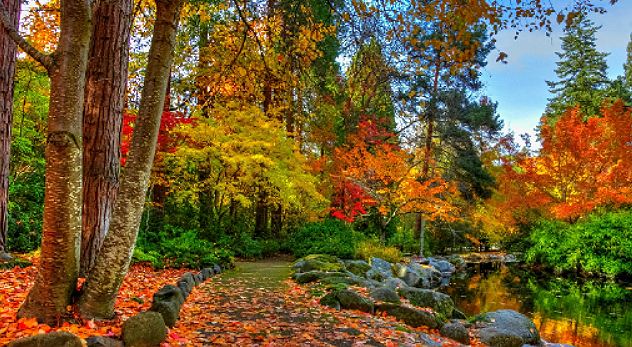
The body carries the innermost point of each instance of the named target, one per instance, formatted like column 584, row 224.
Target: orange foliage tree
column 371, row 171
column 581, row 166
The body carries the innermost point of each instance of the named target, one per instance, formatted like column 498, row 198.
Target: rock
column 357, row 267
column 430, row 276
column 167, row 302
column 5, row 256
column 511, row 321
column 494, row 337
column 217, row 269
column 380, row 265
column 440, row 303
column 102, row 341
column 395, row 283
column 456, row 332
column 354, row 301
column 54, row 339
column 184, row 287
column 207, row 273
column 411, row 316
column 146, row 329
column 189, row 278
column 385, row 295
column 458, row 314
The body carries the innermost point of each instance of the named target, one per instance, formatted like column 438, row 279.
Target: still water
column 579, row 312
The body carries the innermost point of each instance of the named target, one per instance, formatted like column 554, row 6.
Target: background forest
column 322, row 127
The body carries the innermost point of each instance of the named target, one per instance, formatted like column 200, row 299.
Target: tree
column 8, row 53
column 582, row 73
column 106, row 79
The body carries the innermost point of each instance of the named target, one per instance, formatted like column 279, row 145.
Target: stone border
column 148, row 328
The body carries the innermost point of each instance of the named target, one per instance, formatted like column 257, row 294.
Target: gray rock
column 217, row 269
column 146, row 329
column 380, row 265
column 102, row 341
column 439, row 302
column 54, row 339
column 354, row 301
column 357, row 267
column 167, row 302
column 411, row 316
column 511, row 321
column 385, row 295
column 494, row 337
column 395, row 283
column 456, row 332
column 207, row 273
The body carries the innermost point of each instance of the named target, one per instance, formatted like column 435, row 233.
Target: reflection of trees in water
column 582, row 313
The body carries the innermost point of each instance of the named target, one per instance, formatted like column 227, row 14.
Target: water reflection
column 572, row 311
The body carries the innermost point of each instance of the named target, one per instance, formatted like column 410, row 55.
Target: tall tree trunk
column 105, row 280
column 106, row 79
column 8, row 52
column 59, row 261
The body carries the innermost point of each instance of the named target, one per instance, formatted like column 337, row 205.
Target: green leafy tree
column 581, row 72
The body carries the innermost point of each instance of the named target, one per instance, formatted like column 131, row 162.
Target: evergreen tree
column 581, row 72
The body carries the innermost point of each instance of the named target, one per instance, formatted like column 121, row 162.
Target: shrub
column 373, row 248
column 331, row 236
column 601, row 244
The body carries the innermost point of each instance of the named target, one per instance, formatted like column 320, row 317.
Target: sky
column 519, row 86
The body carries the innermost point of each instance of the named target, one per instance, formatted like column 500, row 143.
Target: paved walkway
column 256, row 305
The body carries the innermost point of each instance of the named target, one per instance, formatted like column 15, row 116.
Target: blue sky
column 519, row 86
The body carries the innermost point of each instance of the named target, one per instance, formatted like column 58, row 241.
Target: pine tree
column 581, row 72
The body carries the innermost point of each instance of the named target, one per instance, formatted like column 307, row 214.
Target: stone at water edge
column 54, row 339
column 512, row 321
column 385, row 295
column 456, row 332
column 102, row 341
column 167, row 301
column 217, row 269
column 440, row 303
column 411, row 316
column 493, row 337
column 146, row 329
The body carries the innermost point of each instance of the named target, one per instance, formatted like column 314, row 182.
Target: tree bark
column 59, row 261
column 105, row 280
column 8, row 52
column 106, row 79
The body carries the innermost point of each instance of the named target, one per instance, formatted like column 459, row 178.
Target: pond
column 579, row 312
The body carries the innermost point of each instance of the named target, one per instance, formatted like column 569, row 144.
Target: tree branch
column 44, row 59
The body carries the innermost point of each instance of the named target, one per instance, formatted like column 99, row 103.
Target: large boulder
column 394, row 283
column 102, row 341
column 167, row 302
column 456, row 332
column 354, row 301
column 411, row 316
column 385, row 295
column 146, row 329
column 511, row 321
column 56, row 339
column 439, row 302
column 357, row 267
column 430, row 276
column 494, row 337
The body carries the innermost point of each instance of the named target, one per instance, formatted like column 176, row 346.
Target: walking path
column 257, row 305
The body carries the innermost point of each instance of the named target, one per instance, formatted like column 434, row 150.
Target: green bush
column 602, row 244
column 331, row 236
column 373, row 248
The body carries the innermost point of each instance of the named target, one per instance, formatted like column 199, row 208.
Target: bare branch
column 44, row 59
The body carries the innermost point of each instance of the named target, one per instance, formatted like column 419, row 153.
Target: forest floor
column 255, row 304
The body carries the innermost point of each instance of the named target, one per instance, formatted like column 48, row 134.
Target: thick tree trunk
column 8, row 52
column 106, row 79
column 105, row 280
column 59, row 261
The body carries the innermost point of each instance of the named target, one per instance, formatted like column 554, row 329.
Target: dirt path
column 256, row 305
